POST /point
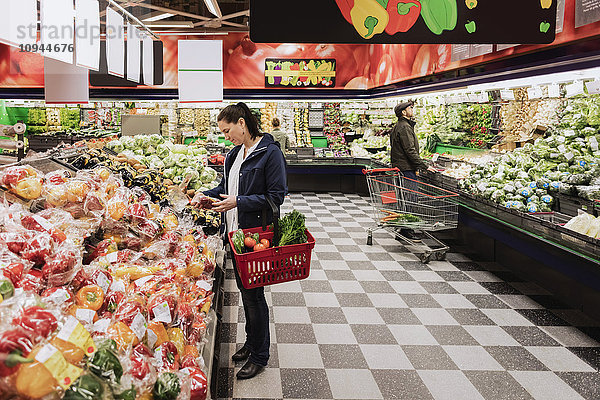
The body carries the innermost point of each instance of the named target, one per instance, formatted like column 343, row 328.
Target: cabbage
column 116, row 146
column 180, row 148
column 129, row 153
column 169, row 173
column 156, row 140
column 162, row 151
column 191, row 171
column 170, row 161
column 208, row 175
column 157, row 164
column 150, row 151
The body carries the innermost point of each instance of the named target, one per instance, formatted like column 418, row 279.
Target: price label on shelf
column 593, row 87
column 575, row 89
column 594, row 143
column 534, row 92
column 507, row 94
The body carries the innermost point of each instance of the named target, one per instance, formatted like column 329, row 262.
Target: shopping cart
column 403, row 203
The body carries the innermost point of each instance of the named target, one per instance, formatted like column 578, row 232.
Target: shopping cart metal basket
column 402, row 203
column 276, row 264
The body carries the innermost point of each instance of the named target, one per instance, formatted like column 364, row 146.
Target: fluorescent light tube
column 214, row 8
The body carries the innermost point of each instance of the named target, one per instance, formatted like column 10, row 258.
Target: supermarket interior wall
column 358, row 67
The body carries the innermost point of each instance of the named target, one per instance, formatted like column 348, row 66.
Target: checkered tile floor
column 372, row 322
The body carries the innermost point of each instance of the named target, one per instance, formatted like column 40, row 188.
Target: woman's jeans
column 258, row 339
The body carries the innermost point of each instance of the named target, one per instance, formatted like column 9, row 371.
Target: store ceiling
column 189, row 16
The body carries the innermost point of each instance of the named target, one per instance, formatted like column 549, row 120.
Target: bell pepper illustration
column 403, row 15
column 345, row 6
column 294, row 80
column 303, row 78
column 439, row 15
column 286, row 66
column 369, row 17
column 272, row 66
column 546, row 3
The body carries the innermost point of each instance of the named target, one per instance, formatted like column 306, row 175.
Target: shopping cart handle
column 370, row 171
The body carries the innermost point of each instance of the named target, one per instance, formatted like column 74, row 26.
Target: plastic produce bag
column 581, row 223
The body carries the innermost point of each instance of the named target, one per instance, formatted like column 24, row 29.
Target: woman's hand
column 228, row 203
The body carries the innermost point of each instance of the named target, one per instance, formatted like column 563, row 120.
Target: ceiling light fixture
column 157, row 17
column 171, row 24
column 214, row 8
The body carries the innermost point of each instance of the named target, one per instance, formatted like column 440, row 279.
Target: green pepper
column 439, row 15
column 129, row 394
column 166, row 387
column 86, row 387
column 7, row 289
column 105, row 363
column 256, row 237
column 238, row 241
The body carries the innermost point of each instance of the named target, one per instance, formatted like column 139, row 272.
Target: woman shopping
column 254, row 169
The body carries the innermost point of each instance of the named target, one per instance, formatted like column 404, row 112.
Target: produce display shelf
column 319, row 142
column 457, row 150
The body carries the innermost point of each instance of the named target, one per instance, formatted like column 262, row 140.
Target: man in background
column 405, row 155
column 280, row 136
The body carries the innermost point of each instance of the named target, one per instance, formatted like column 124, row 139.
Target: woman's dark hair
column 276, row 123
column 232, row 114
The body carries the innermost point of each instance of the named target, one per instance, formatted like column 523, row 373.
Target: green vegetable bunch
column 292, row 229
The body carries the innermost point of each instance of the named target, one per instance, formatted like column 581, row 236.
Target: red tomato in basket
column 259, row 247
column 249, row 242
column 265, row 243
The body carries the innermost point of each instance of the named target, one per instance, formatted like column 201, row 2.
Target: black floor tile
column 452, row 335
column 486, row 301
column 542, row 317
column 316, row 286
column 587, row 384
column 373, row 334
column 398, row 384
column 429, row 358
column 454, row 276
column 305, row 384
column 515, row 358
column 420, row 301
column 530, row 336
column 590, row 355
column 414, row 266
column 499, row 288
column 228, row 332
column 468, row 316
column 327, row 315
column 354, row 300
column 360, row 265
column 379, row 257
column 295, row 333
column 340, row 275
column 377, row 287
column 231, row 298
column 467, row 266
column 497, row 385
column 342, row 356
column 329, row 255
column 288, row 299
column 398, row 316
column 397, row 276
column 438, row 288
column 225, row 383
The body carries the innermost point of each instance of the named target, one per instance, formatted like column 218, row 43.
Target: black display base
column 327, row 178
column 572, row 278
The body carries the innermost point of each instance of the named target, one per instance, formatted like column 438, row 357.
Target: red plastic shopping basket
column 275, row 264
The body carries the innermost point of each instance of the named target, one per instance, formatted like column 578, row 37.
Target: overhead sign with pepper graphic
column 406, row 21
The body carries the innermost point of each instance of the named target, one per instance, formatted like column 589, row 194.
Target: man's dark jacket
column 405, row 147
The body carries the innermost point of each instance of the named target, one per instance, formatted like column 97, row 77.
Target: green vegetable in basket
column 86, row 387
column 256, row 237
column 292, row 229
column 238, row 241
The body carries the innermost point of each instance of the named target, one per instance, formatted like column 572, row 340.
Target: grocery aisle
column 372, row 322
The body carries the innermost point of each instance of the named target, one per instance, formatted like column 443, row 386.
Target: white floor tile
column 543, row 385
column 334, row 334
column 385, row 356
column 559, row 359
column 353, row 384
column 412, row 335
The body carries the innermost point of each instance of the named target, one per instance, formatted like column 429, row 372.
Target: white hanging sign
column 575, row 89
column 554, row 91
column 65, row 83
column 507, row 94
column 57, row 29
column 200, row 78
column 148, row 62
column 87, row 34
column 133, row 53
column 534, row 92
column 18, row 23
column 593, row 87
column 115, row 43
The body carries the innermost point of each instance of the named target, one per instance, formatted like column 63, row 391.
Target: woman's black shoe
column 241, row 354
column 249, row 370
